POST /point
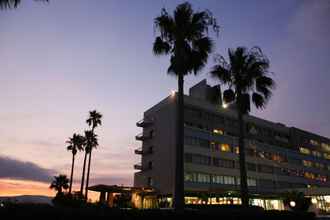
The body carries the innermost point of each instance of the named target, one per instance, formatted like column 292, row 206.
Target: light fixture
column 314, row 200
column 292, row 204
column 172, row 92
column 224, row 105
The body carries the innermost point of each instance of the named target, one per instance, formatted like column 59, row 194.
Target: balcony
column 144, row 123
column 139, row 151
column 142, row 137
column 138, row 166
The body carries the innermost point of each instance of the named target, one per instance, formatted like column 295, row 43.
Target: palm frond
column 258, row 100
column 161, row 47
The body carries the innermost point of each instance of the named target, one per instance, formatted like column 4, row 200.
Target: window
column 319, row 166
column 223, row 163
column 316, row 154
column 227, row 180
column 188, row 158
column 190, row 177
column 314, row 142
column 150, row 164
column 265, row 169
column 251, row 152
column 218, row 131
column 193, row 141
column 309, row 175
column 236, row 150
column 251, row 167
column 225, row 147
column 326, row 156
column 217, row 179
column 325, row 146
column 250, row 181
column 304, row 150
column 150, row 181
column 307, row 163
column 197, row 159
column 203, row 178
column 200, row 159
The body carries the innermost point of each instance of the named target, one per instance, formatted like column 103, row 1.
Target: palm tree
column 183, row 36
column 76, row 143
column 247, row 78
column 10, row 4
column 59, row 183
column 93, row 121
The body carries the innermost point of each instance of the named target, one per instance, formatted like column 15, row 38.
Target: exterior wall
column 163, row 142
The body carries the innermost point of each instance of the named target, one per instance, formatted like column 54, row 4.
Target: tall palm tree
column 59, row 183
column 183, row 36
column 93, row 121
column 247, row 77
column 89, row 143
column 10, row 4
column 76, row 143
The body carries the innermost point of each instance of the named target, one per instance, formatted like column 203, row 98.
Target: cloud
column 23, row 170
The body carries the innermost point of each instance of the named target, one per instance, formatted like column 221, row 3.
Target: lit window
column 325, row 146
column 307, row 163
column 203, row 178
column 304, row 150
column 326, row 156
column 309, row 175
column 218, row 131
column 316, row 154
column 225, row 147
column 314, row 142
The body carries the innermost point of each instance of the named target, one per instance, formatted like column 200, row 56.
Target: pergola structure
column 141, row 197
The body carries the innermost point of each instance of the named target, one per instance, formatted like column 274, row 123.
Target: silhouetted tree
column 246, row 76
column 93, row 121
column 76, row 143
column 183, row 36
column 59, row 183
column 11, row 4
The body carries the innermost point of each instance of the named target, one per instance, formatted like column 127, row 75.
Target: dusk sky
column 61, row 59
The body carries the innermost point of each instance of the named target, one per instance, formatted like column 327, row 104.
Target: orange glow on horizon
column 13, row 187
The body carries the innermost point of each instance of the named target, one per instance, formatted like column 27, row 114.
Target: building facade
column 278, row 158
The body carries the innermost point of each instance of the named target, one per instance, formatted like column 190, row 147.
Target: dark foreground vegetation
column 33, row 211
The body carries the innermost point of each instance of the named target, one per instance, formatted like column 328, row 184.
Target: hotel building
column 278, row 158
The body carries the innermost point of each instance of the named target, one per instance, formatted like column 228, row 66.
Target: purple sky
column 62, row 59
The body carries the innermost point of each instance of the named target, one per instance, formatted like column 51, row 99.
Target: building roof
column 120, row 189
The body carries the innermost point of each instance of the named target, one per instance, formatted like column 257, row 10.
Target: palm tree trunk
column 87, row 177
column 88, row 169
column 83, row 175
column 179, row 166
column 71, row 177
column 243, row 179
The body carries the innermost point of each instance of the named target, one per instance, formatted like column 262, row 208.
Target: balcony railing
column 138, row 151
column 143, row 152
column 138, row 166
column 142, row 137
column 144, row 123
